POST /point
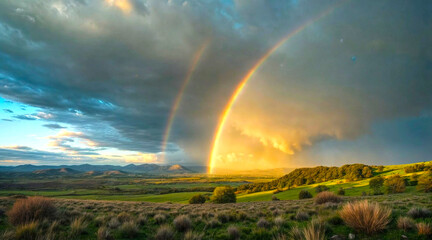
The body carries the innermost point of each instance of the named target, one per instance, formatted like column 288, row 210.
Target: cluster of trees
column 417, row 168
column 220, row 195
column 397, row 183
column 305, row 176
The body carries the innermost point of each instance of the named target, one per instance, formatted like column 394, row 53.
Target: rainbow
column 195, row 60
column 249, row 74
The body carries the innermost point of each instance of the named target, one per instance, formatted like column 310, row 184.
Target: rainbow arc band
column 224, row 116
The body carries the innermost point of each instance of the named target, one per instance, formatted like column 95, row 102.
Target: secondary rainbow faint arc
column 195, row 60
column 249, row 74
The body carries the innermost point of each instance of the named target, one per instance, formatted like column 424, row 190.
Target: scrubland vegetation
column 391, row 204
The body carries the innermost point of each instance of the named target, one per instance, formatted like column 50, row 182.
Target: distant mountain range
column 103, row 169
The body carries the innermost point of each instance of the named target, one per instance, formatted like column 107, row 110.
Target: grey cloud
column 25, row 117
column 7, row 110
column 53, row 126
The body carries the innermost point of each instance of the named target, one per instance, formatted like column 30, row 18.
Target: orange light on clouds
column 123, row 5
column 226, row 112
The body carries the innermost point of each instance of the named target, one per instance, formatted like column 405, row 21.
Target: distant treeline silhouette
column 305, row 176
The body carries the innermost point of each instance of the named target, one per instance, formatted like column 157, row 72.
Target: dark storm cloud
column 53, row 126
column 7, row 110
column 114, row 75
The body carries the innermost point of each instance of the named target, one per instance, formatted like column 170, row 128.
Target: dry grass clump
column 129, row 229
column 417, row 212
column 124, row 217
column 212, row 223
column 296, row 233
column 325, row 197
column 262, row 223
column 315, row 230
column 103, row 233
column 279, row 221
column 233, row 232
column 405, row 223
column 159, row 218
column 77, row 227
column 165, row 232
column 114, row 223
column 182, row 223
column 27, row 231
column 302, row 215
column 31, row 209
column 424, row 229
column 193, row 236
column 366, row 217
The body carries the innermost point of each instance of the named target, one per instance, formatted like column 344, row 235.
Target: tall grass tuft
column 77, row 227
column 31, row 209
column 424, row 229
column 165, row 232
column 417, row 212
column 262, row 223
column 28, row 231
column 315, row 230
column 233, row 232
column 325, row 197
column 366, row 217
column 129, row 229
column 103, row 233
column 189, row 235
column 182, row 223
column 405, row 223
column 296, row 233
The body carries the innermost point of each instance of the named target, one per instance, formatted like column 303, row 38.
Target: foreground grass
column 82, row 219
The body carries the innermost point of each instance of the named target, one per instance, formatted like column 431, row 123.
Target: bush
column 274, row 198
column 123, row 217
column 28, row 231
column 279, row 221
column 182, row 223
column 129, row 229
column 165, row 232
column 424, row 229
column 376, row 184
column 366, row 217
column 262, row 223
column 197, row 199
column 224, row 195
column 341, row 192
column 315, row 230
column 303, row 194
column 335, row 220
column 233, row 232
column 324, row 197
column 321, row 188
column 394, row 184
column 114, row 223
column 302, row 216
column 31, row 209
column 424, row 183
column 405, row 223
column 417, row 212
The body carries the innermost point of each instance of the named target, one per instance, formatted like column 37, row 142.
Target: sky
column 229, row 84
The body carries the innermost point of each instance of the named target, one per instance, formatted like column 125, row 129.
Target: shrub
column 335, row 220
column 182, row 223
column 31, row 209
column 165, row 232
column 129, row 229
column 213, row 223
column 424, row 229
column 366, row 217
column 302, row 216
column 424, row 183
column 405, row 223
column 224, row 195
column 303, row 194
column 262, row 223
column 315, row 230
column 376, row 184
column 77, row 227
column 159, row 218
column 274, row 198
column 197, row 199
column 123, row 217
column 341, row 192
column 321, row 188
column 28, row 231
column 394, row 184
column 324, row 197
column 103, row 233
column 417, row 212
column 233, row 232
